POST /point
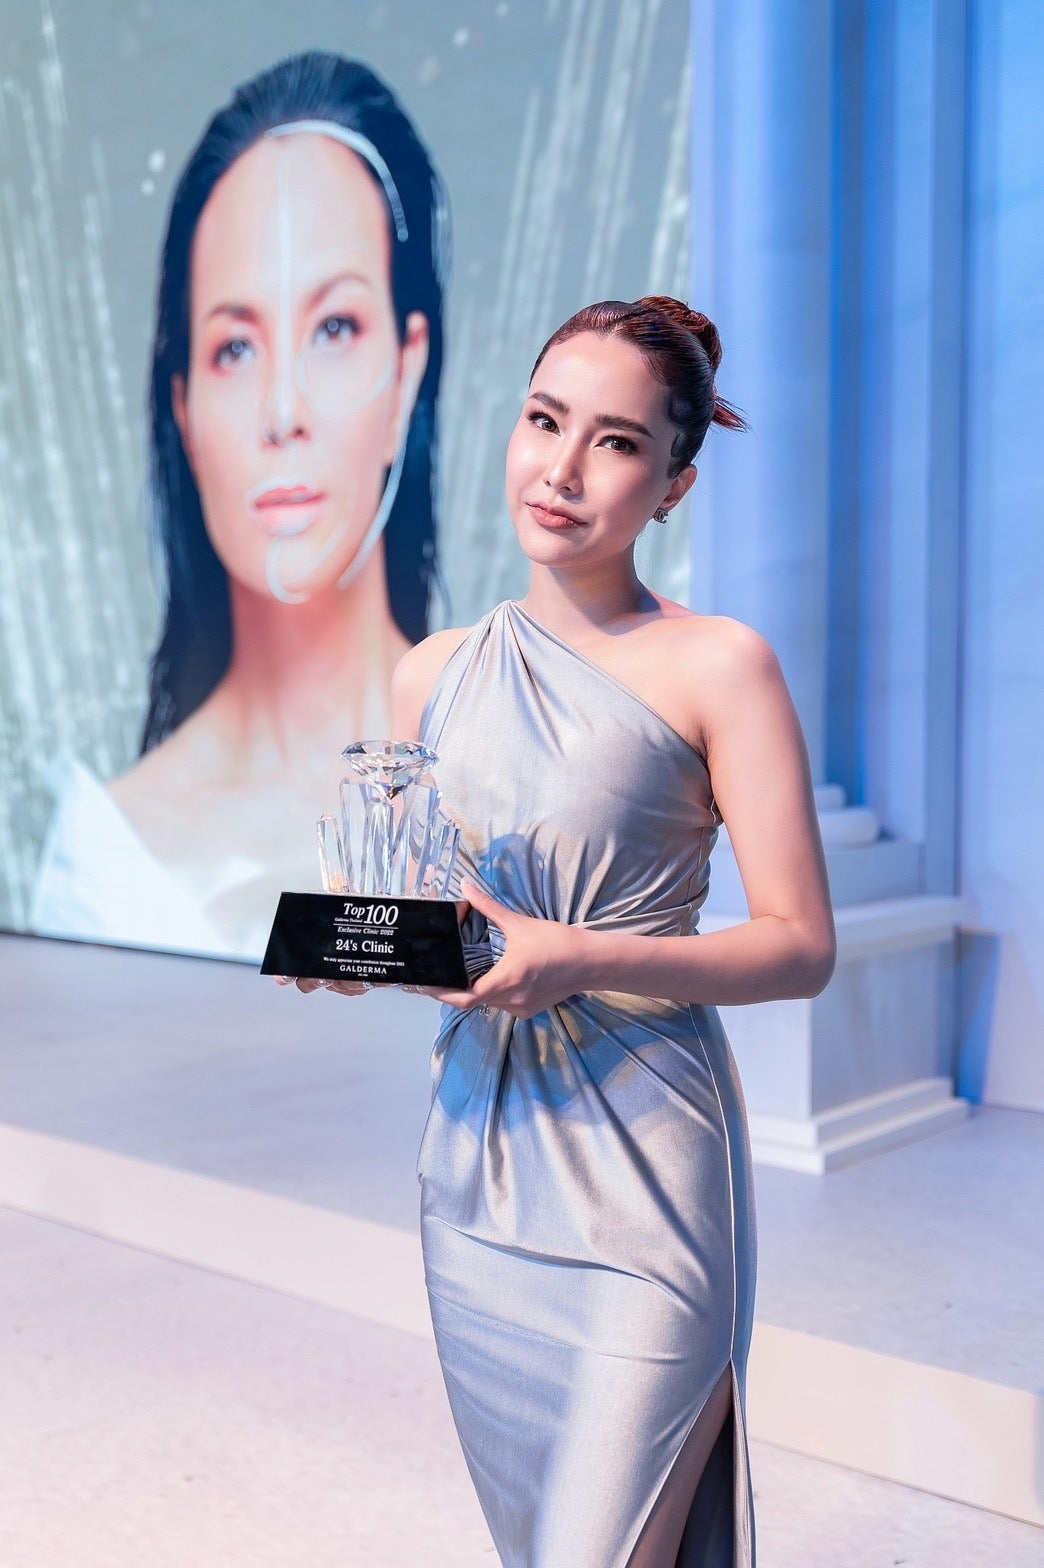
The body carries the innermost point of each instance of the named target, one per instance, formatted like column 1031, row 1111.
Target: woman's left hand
column 541, row 963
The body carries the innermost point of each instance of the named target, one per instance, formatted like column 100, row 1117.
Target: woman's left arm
column 760, row 775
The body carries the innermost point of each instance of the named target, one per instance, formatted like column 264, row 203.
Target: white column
column 761, row 160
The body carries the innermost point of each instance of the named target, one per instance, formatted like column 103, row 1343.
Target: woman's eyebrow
column 346, row 276
column 550, row 401
column 617, row 421
column 242, row 312
column 621, row 422
column 232, row 308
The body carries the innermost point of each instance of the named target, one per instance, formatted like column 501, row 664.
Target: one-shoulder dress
column 587, row 1211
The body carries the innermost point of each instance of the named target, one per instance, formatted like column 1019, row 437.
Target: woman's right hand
column 342, row 987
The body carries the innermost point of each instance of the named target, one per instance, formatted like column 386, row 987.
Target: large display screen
column 272, row 280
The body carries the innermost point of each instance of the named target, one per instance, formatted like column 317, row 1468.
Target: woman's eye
column 619, row 444
column 542, row 421
column 232, row 353
column 336, row 329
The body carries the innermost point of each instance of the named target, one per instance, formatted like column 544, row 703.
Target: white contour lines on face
column 289, row 374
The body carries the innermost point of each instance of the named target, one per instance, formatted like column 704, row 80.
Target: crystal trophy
column 386, row 861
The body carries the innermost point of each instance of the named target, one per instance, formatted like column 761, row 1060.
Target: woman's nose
column 285, row 414
column 564, row 471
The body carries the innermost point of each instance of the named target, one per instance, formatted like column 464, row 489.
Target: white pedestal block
column 850, row 1132
column 867, row 1065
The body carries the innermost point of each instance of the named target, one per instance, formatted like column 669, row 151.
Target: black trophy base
column 385, row 941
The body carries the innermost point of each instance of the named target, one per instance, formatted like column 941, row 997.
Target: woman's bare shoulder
column 416, row 673
column 430, row 656
column 720, row 644
column 734, row 644
column 707, row 668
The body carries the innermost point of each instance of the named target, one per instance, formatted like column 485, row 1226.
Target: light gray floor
column 154, row 1414
column 314, row 1438
column 931, row 1252
column 210, row 1068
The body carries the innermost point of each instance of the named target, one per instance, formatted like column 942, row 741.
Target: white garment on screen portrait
column 98, row 881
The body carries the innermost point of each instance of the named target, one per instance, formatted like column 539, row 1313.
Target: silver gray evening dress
column 587, row 1212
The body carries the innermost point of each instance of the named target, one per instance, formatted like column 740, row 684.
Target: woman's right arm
column 414, row 677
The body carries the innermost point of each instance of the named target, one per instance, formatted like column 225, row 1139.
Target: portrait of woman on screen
column 292, row 456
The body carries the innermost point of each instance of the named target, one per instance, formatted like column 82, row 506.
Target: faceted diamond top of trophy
column 390, row 764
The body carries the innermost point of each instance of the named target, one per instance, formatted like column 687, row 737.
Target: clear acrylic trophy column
column 391, row 836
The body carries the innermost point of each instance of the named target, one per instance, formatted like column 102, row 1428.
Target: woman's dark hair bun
column 694, row 321
column 705, row 332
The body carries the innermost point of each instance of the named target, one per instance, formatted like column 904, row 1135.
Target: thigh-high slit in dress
column 587, row 1211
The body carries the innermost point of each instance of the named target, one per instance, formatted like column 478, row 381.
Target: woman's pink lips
column 295, row 495
column 285, row 510
column 548, row 518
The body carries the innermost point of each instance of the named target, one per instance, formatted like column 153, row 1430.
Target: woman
column 296, row 365
column 587, row 1211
